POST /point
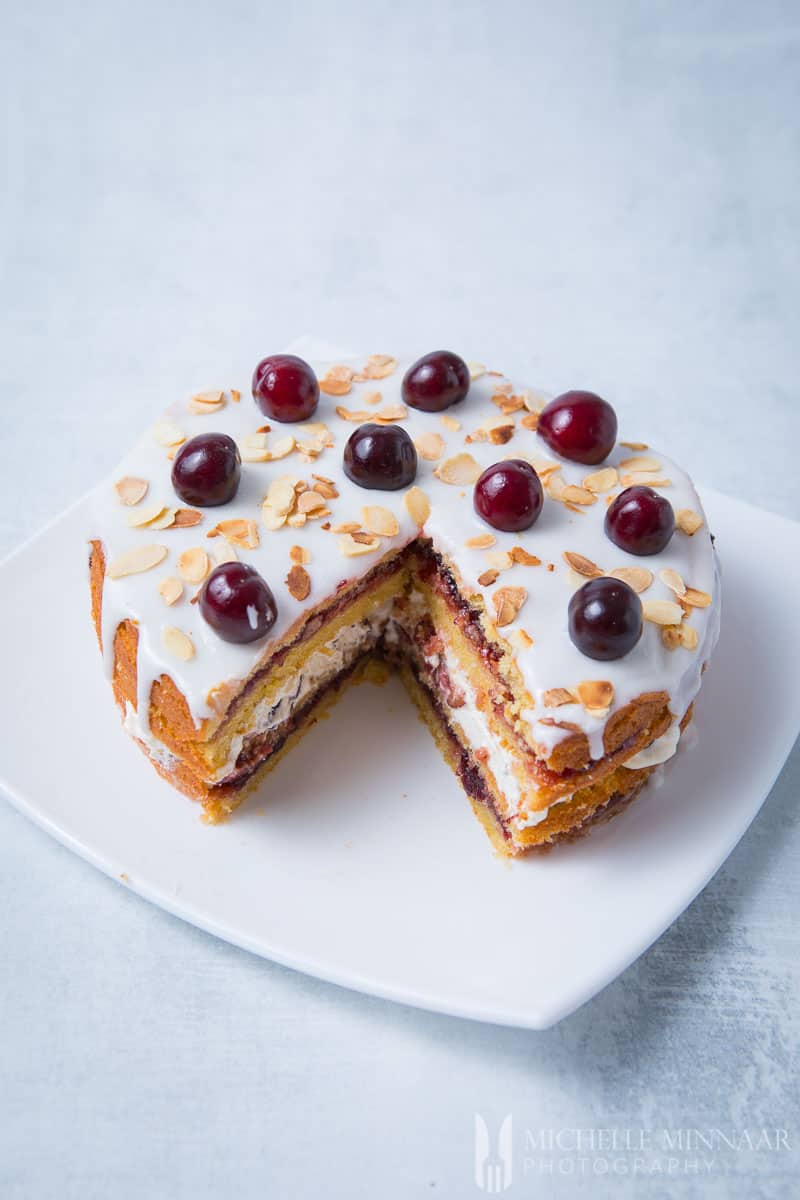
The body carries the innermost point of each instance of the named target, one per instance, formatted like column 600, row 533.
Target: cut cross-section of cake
column 548, row 593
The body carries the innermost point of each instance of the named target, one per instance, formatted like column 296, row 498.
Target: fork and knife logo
column 493, row 1165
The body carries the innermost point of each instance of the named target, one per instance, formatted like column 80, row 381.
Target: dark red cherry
column 579, row 426
column 640, row 521
column 285, row 388
column 206, row 470
column 237, row 603
column 508, row 495
column 605, row 618
column 381, row 457
column 436, row 381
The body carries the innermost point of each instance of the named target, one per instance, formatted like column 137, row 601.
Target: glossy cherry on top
column 381, row 457
column 436, row 381
column 640, row 521
column 285, row 388
column 605, row 619
column 509, row 495
column 237, row 603
column 207, row 469
column 579, row 426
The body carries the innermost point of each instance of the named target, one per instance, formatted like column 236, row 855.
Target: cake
column 547, row 590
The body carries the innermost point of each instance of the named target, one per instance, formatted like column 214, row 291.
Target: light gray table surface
column 603, row 195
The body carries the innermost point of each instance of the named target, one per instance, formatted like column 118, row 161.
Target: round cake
column 545, row 585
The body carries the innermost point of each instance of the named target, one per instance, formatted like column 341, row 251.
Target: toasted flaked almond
column 641, row 462
column 379, row 520
column 688, row 521
column 337, row 381
column 417, row 504
column 177, row 643
column 297, row 520
column 373, row 397
column 357, row 415
column 662, row 612
column 212, row 396
column 534, row 402
column 601, row 481
column 673, row 581
column 170, row 590
column 695, row 598
column 500, row 434
column 521, row 556
column 459, row 470
column 521, row 638
column 299, row 554
column 581, row 564
column 186, row 517
column 530, row 421
column 689, row 637
column 325, row 487
column 165, row 519
column 351, row 547
column 634, row 478
column 390, row 413
column 554, row 484
column 430, row 446
column 507, row 602
column 476, row 369
column 635, row 445
column 596, row 695
column 224, row 553
column 281, row 494
column 238, row 531
column 572, row 494
column 298, row 582
column 310, row 501
column 282, row 447
column 235, row 395
column 134, row 562
column 131, row 490
column 194, row 565
column 483, row 541
column 167, row 434
column 671, row 636
column 450, row 422
column 252, row 452
column 501, row 560
column 488, row 578
column 346, row 527
column 273, row 520
column 144, row 515
column 638, row 578
column 203, row 410
column 556, row 697
column 378, row 366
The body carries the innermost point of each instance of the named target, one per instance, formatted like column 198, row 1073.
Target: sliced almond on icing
column 377, row 519
column 530, row 421
column 170, row 590
column 554, row 484
column 673, row 581
column 483, row 541
column 689, row 637
column 298, row 581
column 346, row 527
column 638, row 578
column 501, row 560
column 695, row 598
column 351, row 547
column 378, row 366
column 131, row 490
column 688, row 521
column 357, row 415
column 521, row 638
column 460, row 470
column 556, row 697
column 635, row 445
column 596, row 695
column 476, row 369
column 430, row 446
column 488, row 578
column 309, row 502
column 238, row 531
column 186, row 517
column 297, row 520
column 601, row 481
column 634, row 478
column 325, row 487
column 662, row 612
column 582, row 565
column 134, row 562
column 168, row 434
column 212, row 396
column 144, row 515
column 165, row 519
column 373, row 397
column 273, row 520
column 299, row 554
column 578, row 495
column 337, row 381
column 671, row 636
column 450, row 422
column 224, row 553
column 235, row 395
column 389, row 413
column 417, row 504
column 641, row 463
column 507, row 602
column 521, row 556
column 177, row 643
column 194, row 565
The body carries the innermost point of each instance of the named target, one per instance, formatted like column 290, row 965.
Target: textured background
column 601, row 195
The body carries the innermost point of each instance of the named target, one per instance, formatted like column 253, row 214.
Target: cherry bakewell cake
column 547, row 589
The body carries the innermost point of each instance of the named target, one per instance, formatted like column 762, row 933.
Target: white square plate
column 361, row 861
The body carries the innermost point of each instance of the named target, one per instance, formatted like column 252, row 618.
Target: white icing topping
column 550, row 662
